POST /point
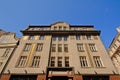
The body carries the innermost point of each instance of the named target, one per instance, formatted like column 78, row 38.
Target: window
column 22, row 61
column 52, row 61
column 54, row 38
column 83, row 61
column 27, row 47
column 92, row 47
column 55, row 28
column 59, row 38
column 115, row 46
column 59, row 47
column 31, row 37
column 6, row 52
column 39, row 47
column 97, row 61
column 66, row 61
column 65, row 28
column 36, row 61
column 60, row 27
column 59, row 61
column 65, row 47
column 41, row 37
column 118, row 40
column 88, row 37
column 1, row 64
column 53, row 47
column 65, row 38
column 77, row 37
column 95, row 37
column 80, row 47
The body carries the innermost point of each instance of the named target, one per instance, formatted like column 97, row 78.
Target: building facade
column 114, row 50
column 8, row 43
column 60, row 52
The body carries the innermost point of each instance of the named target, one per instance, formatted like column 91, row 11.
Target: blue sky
column 16, row 15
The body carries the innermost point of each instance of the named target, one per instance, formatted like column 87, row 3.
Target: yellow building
column 60, row 52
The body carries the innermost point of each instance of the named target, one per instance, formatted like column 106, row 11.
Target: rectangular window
column 65, row 28
column 59, row 61
column 65, row 38
column 97, row 61
column 53, row 47
column 27, row 47
column 118, row 40
column 41, row 37
column 65, row 47
column 55, row 28
column 36, row 61
column 39, row 47
column 77, row 37
column 59, row 47
column 31, row 37
column 66, row 61
column 6, row 52
column 80, row 47
column 95, row 37
column 115, row 46
column 52, row 61
column 22, row 61
column 60, row 38
column 83, row 61
column 92, row 47
column 60, row 27
column 54, row 38
column 88, row 37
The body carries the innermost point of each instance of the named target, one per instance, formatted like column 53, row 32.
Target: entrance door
column 59, row 78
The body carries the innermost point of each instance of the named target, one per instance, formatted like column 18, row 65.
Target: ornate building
column 114, row 50
column 60, row 52
column 8, row 44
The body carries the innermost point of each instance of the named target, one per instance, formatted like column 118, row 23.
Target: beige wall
column 10, row 44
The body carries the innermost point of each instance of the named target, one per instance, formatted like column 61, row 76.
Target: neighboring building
column 8, row 43
column 60, row 52
column 114, row 50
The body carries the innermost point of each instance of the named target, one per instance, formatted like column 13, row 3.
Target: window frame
column 31, row 37
column 59, row 62
column 35, row 61
column 97, row 61
column 93, row 47
column 42, row 37
column 52, row 62
column 83, row 61
column 39, row 47
column 67, row 62
column 59, row 47
column 80, row 47
column 22, row 61
column 27, row 47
